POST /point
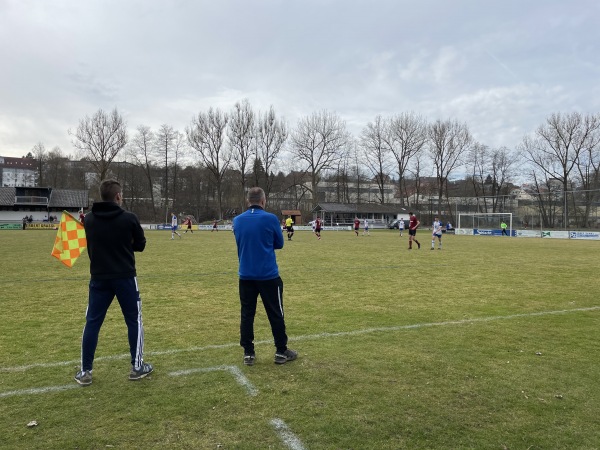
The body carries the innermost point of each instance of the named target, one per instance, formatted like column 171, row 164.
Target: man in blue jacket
column 113, row 234
column 258, row 235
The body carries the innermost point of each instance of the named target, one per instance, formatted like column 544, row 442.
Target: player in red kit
column 413, row 224
column 356, row 225
column 318, row 225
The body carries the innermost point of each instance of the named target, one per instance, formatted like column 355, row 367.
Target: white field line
column 42, row 390
column 308, row 337
column 290, row 440
column 239, row 376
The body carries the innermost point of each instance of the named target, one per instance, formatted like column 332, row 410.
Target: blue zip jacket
column 257, row 235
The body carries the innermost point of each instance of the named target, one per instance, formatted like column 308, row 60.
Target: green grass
column 398, row 349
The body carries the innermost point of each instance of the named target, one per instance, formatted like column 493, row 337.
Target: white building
column 18, row 171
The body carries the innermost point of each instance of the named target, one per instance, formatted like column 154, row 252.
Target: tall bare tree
column 165, row 138
column 319, row 141
column 242, row 136
column 447, row 142
column 144, row 154
column 588, row 178
column 406, row 138
column 206, row 135
column 40, row 155
column 271, row 135
column 416, row 168
column 373, row 141
column 478, row 162
column 100, row 138
column 492, row 171
column 557, row 145
column 55, row 169
column 179, row 149
column 503, row 167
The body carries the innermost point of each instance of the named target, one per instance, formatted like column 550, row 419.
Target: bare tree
column 319, row 141
column 373, row 141
column 503, row 165
column 342, row 179
column 478, row 157
column 588, row 170
column 557, row 145
column 492, row 171
column 165, row 139
column 406, row 138
column 144, row 154
column 179, row 147
column 271, row 135
column 242, row 135
column 39, row 153
column 447, row 142
column 55, row 169
column 416, row 169
column 100, row 138
column 206, row 135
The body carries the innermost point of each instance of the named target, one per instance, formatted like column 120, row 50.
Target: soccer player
column 318, row 225
column 215, row 226
column 503, row 226
column 174, row 226
column 356, row 225
column 113, row 234
column 257, row 236
column 413, row 224
column 289, row 226
column 436, row 232
column 401, row 226
column 366, row 230
column 188, row 222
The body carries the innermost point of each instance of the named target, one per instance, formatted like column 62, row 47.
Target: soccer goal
column 486, row 221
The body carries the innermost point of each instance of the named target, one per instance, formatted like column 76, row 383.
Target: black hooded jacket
column 112, row 234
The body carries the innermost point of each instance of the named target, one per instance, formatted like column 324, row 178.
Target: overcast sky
column 500, row 66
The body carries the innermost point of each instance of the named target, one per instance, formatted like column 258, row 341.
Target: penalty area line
column 309, row 337
column 290, row 440
column 238, row 375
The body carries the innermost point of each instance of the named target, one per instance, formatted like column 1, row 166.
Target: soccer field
column 490, row 343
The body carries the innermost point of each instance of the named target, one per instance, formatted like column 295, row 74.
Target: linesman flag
column 70, row 240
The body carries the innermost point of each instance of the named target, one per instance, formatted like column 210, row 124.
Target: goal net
column 488, row 222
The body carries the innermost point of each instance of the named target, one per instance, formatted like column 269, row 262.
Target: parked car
column 394, row 225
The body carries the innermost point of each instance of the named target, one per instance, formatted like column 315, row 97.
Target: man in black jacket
column 113, row 234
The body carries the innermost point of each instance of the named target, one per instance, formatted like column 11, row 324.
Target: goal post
column 487, row 221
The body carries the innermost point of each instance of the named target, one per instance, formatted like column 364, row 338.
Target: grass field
column 490, row 343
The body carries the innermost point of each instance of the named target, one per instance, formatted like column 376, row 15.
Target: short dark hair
column 255, row 195
column 109, row 189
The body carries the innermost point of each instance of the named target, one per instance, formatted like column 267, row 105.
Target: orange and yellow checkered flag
column 70, row 240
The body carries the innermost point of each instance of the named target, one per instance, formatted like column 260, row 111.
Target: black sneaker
column 84, row 377
column 140, row 373
column 249, row 360
column 418, row 246
column 288, row 355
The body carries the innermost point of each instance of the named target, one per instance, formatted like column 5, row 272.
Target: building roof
column 18, row 163
column 59, row 198
column 68, row 198
column 361, row 208
column 7, row 196
column 291, row 212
